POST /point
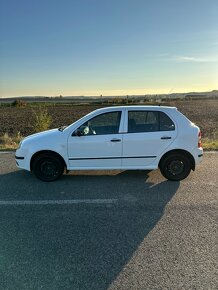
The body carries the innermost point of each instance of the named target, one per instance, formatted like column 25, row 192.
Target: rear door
column 148, row 134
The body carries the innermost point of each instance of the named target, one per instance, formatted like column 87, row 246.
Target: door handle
column 115, row 140
column 165, row 138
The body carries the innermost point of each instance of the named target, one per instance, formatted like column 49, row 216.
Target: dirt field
column 204, row 113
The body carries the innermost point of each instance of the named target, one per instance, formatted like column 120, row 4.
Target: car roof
column 137, row 107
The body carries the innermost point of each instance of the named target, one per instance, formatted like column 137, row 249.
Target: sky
column 107, row 47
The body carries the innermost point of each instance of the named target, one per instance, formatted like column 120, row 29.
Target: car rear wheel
column 175, row 167
column 48, row 167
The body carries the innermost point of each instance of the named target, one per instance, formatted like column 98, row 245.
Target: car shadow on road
column 80, row 246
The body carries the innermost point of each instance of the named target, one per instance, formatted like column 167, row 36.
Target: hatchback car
column 122, row 137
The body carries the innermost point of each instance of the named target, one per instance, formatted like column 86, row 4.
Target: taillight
column 199, row 140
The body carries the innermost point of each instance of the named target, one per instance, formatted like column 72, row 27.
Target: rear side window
column 142, row 121
column 166, row 124
column 149, row 121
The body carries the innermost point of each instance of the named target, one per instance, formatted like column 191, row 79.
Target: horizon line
column 105, row 96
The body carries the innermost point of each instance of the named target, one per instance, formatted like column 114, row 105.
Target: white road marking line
column 54, row 202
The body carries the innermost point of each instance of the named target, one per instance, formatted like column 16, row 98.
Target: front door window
column 104, row 124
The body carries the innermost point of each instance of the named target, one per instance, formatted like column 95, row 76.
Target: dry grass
column 10, row 142
column 209, row 144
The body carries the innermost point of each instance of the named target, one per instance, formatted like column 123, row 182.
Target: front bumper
column 19, row 158
column 20, row 162
column 22, row 159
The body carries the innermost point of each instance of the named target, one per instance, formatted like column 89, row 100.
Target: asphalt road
column 109, row 230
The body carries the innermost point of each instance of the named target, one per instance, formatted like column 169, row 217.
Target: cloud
column 183, row 58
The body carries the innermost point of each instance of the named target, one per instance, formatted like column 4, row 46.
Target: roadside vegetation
column 10, row 142
column 42, row 122
column 211, row 143
column 19, row 104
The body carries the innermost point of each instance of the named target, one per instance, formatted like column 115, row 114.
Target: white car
column 122, row 137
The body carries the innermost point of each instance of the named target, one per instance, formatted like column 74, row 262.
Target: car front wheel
column 48, row 167
column 175, row 167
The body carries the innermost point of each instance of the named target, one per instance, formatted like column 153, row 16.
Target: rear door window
column 149, row 121
column 142, row 121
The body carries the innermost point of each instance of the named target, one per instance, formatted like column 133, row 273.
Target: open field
column 21, row 119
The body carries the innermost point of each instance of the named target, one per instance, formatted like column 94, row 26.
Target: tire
column 175, row 166
column 48, row 167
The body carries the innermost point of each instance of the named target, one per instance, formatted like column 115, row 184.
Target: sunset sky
column 116, row 47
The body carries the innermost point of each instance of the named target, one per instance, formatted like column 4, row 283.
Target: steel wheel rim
column 49, row 169
column 176, row 167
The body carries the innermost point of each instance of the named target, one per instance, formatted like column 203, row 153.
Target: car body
column 119, row 137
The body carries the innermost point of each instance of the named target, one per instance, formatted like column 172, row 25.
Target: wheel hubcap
column 176, row 167
column 48, row 169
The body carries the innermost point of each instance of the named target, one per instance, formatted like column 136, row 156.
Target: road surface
column 109, row 230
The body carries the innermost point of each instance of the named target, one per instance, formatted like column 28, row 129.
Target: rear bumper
column 198, row 155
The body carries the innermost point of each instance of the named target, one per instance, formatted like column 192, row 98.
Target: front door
column 97, row 143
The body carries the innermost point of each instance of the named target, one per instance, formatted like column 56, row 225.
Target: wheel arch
column 35, row 155
column 181, row 151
